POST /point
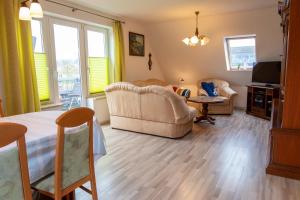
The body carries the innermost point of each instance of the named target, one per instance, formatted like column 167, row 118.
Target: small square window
column 240, row 52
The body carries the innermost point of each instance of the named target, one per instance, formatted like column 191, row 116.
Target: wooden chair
column 74, row 163
column 1, row 109
column 14, row 175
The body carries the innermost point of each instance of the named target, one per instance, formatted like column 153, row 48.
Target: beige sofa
column 224, row 91
column 152, row 110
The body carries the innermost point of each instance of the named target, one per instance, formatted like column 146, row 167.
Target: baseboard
column 240, row 108
column 283, row 171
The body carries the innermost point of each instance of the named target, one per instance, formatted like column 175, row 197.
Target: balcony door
column 67, row 61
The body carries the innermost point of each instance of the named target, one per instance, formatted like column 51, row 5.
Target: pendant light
column 35, row 10
column 196, row 39
column 24, row 12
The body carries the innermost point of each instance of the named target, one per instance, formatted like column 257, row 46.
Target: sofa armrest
column 227, row 92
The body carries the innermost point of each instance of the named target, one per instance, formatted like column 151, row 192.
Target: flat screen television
column 267, row 72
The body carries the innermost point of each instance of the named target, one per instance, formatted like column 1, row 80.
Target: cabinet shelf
column 259, row 100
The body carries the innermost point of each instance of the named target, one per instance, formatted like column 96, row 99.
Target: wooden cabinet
column 284, row 157
column 260, row 100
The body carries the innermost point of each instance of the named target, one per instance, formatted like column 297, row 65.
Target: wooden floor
column 225, row 161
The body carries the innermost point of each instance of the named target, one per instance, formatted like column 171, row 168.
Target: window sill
column 239, row 70
column 47, row 106
column 97, row 96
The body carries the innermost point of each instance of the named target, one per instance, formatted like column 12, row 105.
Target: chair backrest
column 1, row 109
column 14, row 176
column 74, row 150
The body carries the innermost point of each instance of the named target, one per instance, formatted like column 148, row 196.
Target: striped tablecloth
column 41, row 140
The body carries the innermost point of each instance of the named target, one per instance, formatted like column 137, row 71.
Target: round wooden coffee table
column 205, row 101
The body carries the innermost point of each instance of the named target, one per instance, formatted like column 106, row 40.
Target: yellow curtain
column 17, row 61
column 119, row 52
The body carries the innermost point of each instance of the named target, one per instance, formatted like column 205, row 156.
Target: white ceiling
column 163, row 10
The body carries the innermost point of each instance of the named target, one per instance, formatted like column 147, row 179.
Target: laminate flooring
column 226, row 161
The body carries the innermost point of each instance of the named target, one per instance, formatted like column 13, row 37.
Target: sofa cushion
column 183, row 92
column 226, row 101
column 209, row 88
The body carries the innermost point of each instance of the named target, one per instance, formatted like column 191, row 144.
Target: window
column 240, row 52
column 78, row 57
column 98, row 72
column 40, row 58
column 66, row 40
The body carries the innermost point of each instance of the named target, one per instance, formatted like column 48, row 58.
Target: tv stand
column 269, row 86
column 260, row 100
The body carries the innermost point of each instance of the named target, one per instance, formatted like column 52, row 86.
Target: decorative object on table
column 74, row 163
column 35, row 10
column 197, row 38
column 150, row 62
column 136, row 44
column 209, row 88
column 14, row 174
column 205, row 101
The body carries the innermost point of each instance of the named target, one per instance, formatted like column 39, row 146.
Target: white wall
column 137, row 67
column 177, row 60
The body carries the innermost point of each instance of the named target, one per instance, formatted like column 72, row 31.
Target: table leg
column 205, row 116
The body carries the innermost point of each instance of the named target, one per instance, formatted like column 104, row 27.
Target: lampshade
column 24, row 13
column 194, row 40
column 36, row 9
column 186, row 41
column 204, row 40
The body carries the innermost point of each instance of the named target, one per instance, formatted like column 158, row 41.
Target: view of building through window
column 68, row 66
column 241, row 52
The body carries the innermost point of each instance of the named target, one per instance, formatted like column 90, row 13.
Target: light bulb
column 194, row 40
column 186, row 41
column 36, row 9
column 204, row 40
column 24, row 13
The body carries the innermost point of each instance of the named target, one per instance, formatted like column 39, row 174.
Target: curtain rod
column 92, row 13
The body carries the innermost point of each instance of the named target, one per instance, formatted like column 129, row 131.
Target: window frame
column 47, row 24
column 105, row 32
column 227, row 51
column 62, row 22
column 46, row 47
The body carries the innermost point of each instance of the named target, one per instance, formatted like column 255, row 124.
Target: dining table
column 41, row 141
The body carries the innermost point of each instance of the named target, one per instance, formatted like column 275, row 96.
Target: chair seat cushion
column 45, row 184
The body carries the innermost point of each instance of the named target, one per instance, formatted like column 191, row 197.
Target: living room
column 149, row 99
